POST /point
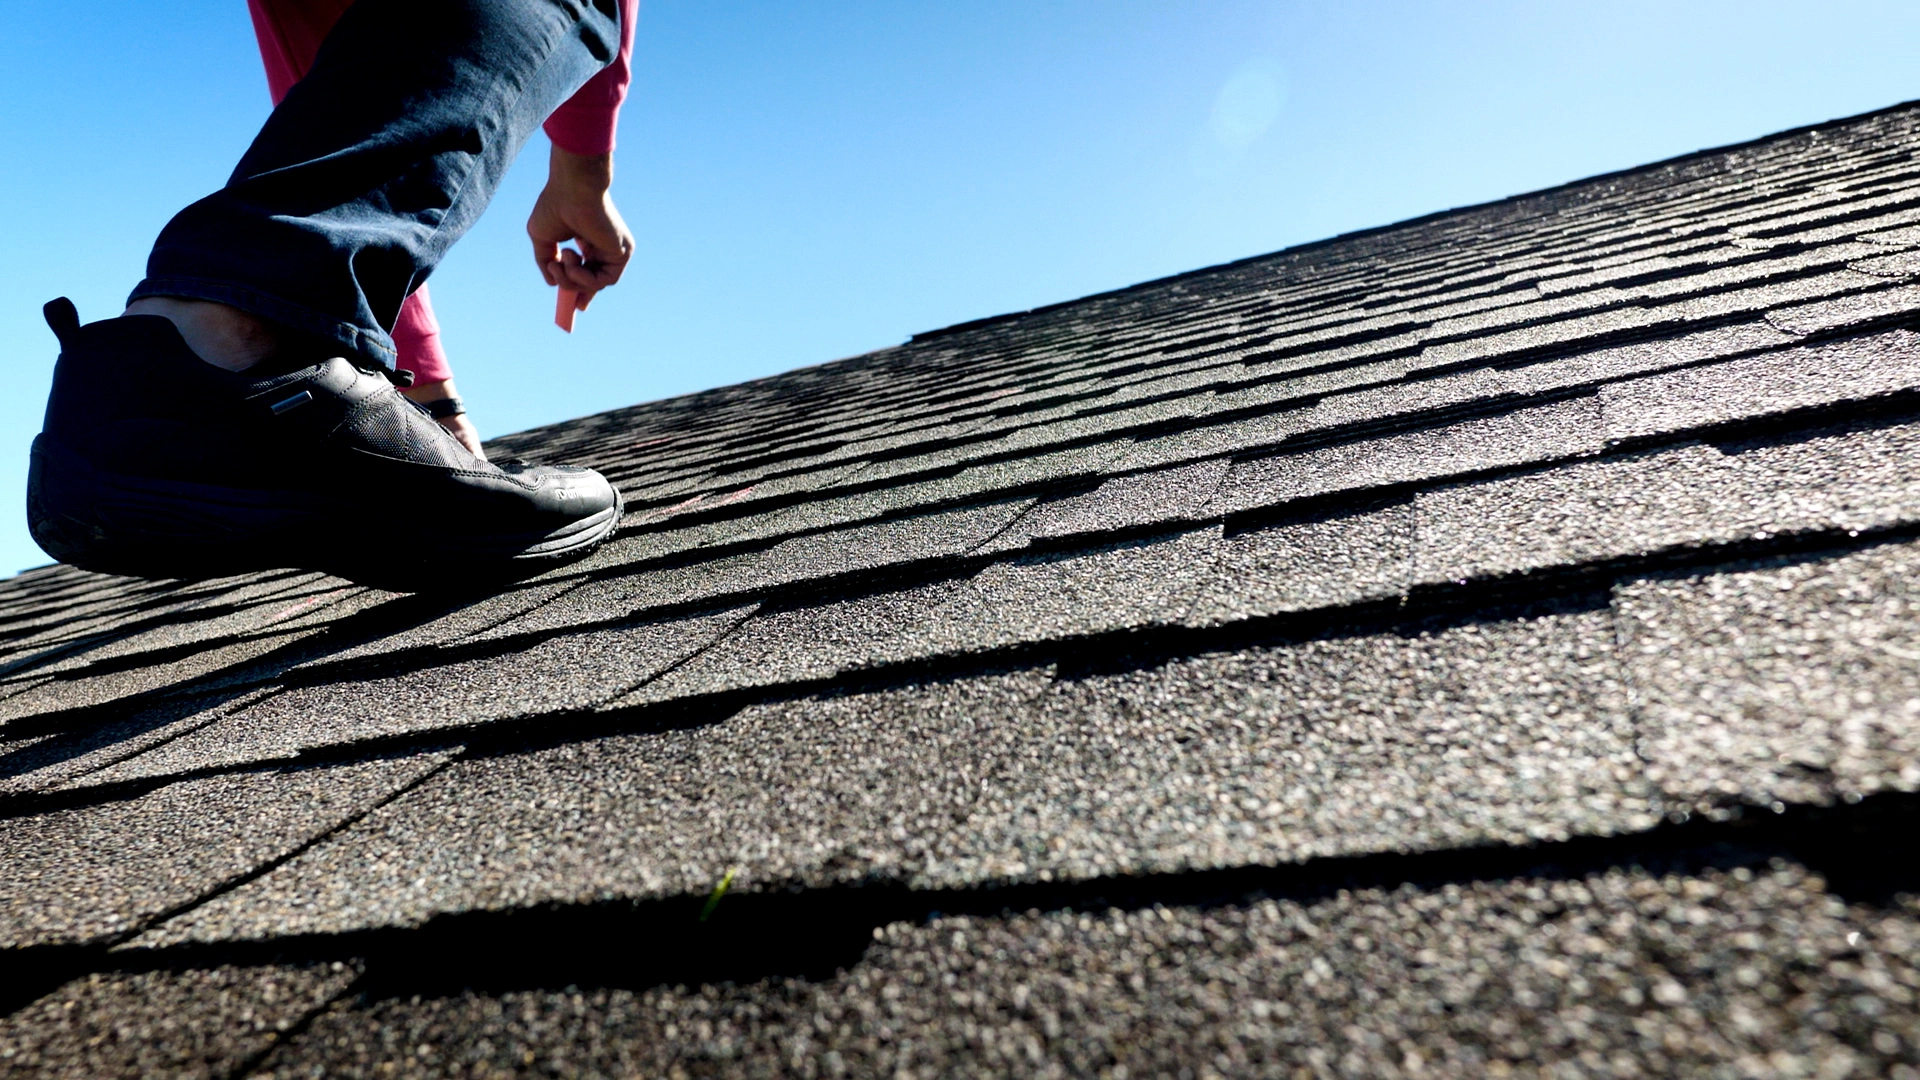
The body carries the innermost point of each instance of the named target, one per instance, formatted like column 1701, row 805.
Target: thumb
column 546, row 255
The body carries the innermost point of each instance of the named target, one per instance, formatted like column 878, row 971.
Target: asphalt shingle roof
column 1487, row 645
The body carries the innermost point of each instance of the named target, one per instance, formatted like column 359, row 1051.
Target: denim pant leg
column 379, row 160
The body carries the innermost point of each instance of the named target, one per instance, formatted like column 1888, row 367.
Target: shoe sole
column 117, row 524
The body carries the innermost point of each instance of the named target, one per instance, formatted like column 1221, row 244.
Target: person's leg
column 153, row 462
column 289, row 33
column 374, row 164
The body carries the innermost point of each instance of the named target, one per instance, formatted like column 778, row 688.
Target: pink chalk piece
column 563, row 311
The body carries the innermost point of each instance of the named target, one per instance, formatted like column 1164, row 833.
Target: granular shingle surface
column 1637, row 973
column 1481, row 646
column 92, row 873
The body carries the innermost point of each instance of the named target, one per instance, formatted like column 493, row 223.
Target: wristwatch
column 444, row 407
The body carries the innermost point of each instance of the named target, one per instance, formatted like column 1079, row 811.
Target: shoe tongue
column 293, row 367
column 260, row 378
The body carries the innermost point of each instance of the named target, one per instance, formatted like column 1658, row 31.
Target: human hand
column 458, row 425
column 577, row 206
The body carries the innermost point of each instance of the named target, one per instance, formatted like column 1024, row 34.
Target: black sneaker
column 155, row 463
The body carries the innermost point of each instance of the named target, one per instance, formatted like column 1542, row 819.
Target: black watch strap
column 445, row 407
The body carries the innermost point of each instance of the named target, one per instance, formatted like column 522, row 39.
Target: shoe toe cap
column 568, row 490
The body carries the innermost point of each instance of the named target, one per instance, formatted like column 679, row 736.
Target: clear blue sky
column 810, row 181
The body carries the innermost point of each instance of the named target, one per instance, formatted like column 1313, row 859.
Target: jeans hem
column 375, row 344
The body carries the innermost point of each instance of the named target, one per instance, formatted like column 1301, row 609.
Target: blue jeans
column 378, row 160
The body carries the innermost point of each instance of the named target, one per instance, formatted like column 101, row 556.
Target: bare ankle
column 223, row 336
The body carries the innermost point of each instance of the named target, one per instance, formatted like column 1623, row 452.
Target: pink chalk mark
column 302, row 605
